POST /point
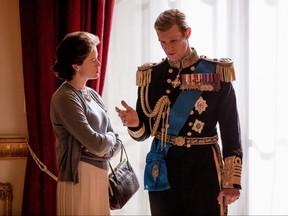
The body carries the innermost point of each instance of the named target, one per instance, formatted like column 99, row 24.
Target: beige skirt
column 88, row 197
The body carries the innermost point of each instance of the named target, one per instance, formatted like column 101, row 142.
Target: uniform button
column 170, row 70
column 189, row 134
column 168, row 91
column 192, row 68
column 190, row 123
column 169, row 80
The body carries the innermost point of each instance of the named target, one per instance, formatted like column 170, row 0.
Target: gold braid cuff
column 231, row 172
column 138, row 133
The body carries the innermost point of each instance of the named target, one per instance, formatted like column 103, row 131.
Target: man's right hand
column 129, row 117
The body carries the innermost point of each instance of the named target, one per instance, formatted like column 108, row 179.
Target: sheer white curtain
column 268, row 115
column 253, row 33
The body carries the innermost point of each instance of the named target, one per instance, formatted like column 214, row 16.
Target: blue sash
column 155, row 173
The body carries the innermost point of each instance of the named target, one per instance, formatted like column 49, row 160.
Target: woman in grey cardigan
column 84, row 134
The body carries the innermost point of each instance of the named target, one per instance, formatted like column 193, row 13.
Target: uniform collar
column 186, row 61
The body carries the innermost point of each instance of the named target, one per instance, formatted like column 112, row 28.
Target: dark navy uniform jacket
column 214, row 106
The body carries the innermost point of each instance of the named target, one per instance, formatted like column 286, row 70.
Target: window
column 254, row 34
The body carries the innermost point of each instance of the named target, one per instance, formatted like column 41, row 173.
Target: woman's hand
column 129, row 117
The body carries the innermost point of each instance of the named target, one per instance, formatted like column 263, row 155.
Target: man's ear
column 188, row 32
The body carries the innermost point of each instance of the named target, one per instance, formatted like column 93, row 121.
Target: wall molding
column 13, row 147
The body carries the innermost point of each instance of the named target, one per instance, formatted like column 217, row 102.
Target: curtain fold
column 43, row 25
column 103, row 30
column 37, row 51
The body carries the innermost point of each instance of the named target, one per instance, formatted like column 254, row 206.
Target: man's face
column 174, row 44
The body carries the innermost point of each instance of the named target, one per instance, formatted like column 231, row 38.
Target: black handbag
column 123, row 182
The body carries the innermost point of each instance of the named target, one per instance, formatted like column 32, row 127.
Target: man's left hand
column 230, row 195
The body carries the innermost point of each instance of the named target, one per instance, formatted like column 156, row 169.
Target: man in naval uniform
column 180, row 102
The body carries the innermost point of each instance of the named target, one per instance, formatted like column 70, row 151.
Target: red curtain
column 43, row 25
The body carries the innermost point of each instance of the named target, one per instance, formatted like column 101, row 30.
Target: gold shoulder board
column 224, row 67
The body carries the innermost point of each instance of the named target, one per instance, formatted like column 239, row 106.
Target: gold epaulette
column 224, row 67
column 143, row 75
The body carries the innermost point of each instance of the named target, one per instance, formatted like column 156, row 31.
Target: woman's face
column 90, row 67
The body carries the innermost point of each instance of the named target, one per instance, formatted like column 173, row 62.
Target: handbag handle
column 121, row 158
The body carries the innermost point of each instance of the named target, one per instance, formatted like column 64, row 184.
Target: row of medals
column 202, row 82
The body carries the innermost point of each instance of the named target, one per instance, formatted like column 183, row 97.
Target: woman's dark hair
column 73, row 49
